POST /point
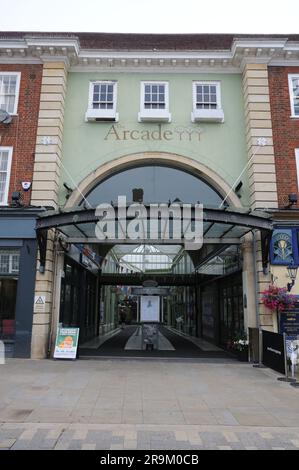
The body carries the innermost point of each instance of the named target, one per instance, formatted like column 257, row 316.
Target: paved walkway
column 182, row 346
column 147, row 404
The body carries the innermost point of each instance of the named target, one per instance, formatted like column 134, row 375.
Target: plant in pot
column 240, row 347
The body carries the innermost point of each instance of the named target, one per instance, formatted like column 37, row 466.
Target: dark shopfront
column 78, row 301
column 222, row 313
column 18, row 251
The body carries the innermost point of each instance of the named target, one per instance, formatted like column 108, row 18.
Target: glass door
column 8, row 295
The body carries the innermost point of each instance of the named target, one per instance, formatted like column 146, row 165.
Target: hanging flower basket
column 277, row 299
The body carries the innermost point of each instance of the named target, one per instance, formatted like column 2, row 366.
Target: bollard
column 2, row 353
column 260, row 364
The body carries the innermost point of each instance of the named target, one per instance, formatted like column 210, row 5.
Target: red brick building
column 20, row 86
column 283, row 85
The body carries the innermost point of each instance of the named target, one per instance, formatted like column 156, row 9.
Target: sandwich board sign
column 66, row 343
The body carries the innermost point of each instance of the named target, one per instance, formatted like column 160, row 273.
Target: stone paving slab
column 130, row 404
column 102, row 437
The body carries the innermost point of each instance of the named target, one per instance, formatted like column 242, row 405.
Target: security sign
column 39, row 303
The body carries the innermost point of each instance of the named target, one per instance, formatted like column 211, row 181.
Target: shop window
column 154, row 102
column 102, row 101
column 9, row 269
column 5, row 165
column 9, row 263
column 294, row 94
column 207, row 102
column 9, row 91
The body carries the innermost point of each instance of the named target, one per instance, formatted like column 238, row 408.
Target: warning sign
column 39, row 303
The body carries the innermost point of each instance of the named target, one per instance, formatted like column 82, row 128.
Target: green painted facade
column 87, row 145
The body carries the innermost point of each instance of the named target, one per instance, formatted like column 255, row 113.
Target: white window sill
column 154, row 115
column 293, row 116
column 98, row 115
column 207, row 115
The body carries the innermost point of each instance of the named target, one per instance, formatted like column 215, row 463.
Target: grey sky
column 154, row 16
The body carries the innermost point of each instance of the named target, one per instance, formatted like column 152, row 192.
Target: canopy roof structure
column 221, row 226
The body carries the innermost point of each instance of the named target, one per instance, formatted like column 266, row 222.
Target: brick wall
column 285, row 132
column 21, row 133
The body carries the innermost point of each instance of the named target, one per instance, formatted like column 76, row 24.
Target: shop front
column 18, row 250
column 79, row 305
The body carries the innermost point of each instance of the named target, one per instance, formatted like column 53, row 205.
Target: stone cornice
column 270, row 51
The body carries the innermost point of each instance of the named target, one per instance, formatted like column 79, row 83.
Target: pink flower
column 278, row 298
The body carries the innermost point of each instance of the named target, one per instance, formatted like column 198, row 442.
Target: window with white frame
column 207, row 102
column 9, row 91
column 102, row 101
column 9, row 262
column 154, row 102
column 297, row 166
column 294, row 94
column 5, row 164
column 154, row 95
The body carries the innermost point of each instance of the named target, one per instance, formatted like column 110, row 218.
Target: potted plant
column 240, row 347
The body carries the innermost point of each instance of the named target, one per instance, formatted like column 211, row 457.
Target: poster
column 289, row 324
column 150, row 308
column 66, row 343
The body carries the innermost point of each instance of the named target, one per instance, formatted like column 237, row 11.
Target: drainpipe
column 256, row 282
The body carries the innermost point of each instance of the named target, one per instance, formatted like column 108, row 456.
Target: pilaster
column 48, row 154
column 261, row 168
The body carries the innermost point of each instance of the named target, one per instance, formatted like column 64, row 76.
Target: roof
column 125, row 41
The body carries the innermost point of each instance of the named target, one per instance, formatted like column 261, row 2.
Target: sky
column 153, row 16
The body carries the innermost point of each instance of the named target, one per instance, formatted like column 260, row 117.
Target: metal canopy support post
column 265, row 241
column 260, row 364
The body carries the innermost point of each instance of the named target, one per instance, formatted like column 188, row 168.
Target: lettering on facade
column 158, row 134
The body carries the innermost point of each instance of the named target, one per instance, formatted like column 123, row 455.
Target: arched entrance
column 102, row 276
column 191, row 166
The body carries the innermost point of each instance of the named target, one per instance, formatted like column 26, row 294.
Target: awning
column 219, row 225
column 223, row 226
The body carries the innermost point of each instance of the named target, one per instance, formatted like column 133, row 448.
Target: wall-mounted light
column 292, row 200
column 292, row 272
column 68, row 190
column 239, row 186
column 16, row 199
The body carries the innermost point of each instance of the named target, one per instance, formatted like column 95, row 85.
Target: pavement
column 181, row 346
column 145, row 404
